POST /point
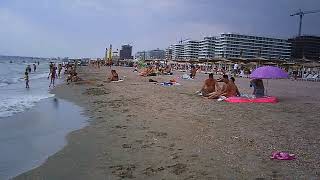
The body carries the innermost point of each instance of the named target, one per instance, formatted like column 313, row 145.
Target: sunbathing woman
column 150, row 71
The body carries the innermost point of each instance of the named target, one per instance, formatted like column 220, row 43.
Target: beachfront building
column 177, row 51
column 156, row 54
column 230, row 45
column 190, row 49
column 126, row 52
column 141, row 55
column 168, row 55
column 305, row 47
column 207, row 47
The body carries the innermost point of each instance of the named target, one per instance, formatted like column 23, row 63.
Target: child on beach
column 26, row 77
column 114, row 76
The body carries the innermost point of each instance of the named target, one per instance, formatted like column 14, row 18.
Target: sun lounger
column 312, row 77
column 315, row 77
column 308, row 77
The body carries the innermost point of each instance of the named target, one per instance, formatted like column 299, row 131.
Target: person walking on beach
column 26, row 78
column 53, row 75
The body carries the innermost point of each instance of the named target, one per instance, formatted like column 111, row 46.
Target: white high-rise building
column 231, row 45
column 177, row 51
column 190, row 49
column 169, row 53
column 207, row 47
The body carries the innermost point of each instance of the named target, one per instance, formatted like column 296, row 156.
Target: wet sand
column 145, row 131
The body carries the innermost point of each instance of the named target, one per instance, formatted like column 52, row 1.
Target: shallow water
column 27, row 139
column 14, row 97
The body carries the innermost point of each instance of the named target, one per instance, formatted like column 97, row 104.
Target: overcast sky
column 83, row 28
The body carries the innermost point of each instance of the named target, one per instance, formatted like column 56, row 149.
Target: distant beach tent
column 269, row 72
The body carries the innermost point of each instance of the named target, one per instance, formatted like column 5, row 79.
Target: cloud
column 86, row 27
column 20, row 37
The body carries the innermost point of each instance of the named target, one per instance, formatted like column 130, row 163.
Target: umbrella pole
column 267, row 87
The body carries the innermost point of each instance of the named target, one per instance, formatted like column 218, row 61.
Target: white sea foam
column 12, row 105
column 14, row 97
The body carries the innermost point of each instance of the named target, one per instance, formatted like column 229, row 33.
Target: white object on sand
column 120, row 80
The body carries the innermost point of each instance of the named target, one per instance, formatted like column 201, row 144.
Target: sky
column 84, row 28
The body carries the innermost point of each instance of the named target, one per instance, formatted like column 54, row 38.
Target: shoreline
column 141, row 130
column 28, row 138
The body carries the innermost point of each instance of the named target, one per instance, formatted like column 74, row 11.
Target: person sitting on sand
column 150, row 71
column 228, row 89
column 258, row 87
column 209, row 86
column 114, row 76
column 233, row 80
column 167, row 70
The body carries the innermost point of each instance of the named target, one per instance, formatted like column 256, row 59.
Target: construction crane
column 301, row 14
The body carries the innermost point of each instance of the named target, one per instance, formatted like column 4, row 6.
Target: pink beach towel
column 283, row 156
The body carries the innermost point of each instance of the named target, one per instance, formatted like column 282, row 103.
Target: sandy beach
column 140, row 130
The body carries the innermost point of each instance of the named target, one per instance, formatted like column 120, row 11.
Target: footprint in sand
column 126, row 146
column 152, row 171
column 95, row 91
column 178, row 168
column 123, row 171
column 120, row 127
column 159, row 134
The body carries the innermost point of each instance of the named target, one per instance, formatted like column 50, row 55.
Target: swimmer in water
column 34, row 67
column 26, row 77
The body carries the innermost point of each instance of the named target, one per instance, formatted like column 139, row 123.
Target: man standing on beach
column 53, row 74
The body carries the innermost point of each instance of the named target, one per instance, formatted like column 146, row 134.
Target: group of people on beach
column 153, row 70
column 54, row 73
column 212, row 90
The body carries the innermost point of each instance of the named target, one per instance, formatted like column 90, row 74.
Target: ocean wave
column 13, row 105
column 14, row 80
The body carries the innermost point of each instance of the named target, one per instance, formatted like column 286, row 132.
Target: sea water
column 33, row 123
column 14, row 97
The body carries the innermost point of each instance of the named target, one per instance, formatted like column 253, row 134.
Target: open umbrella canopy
column 269, row 72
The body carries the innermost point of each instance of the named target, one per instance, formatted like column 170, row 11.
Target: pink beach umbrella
column 269, row 72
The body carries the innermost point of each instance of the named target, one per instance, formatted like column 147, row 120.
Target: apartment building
column 230, row 45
